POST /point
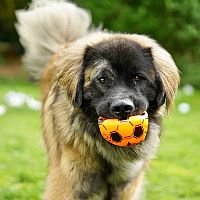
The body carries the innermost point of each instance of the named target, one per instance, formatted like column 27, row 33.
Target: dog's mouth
column 108, row 116
column 125, row 117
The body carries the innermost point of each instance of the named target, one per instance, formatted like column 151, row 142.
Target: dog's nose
column 122, row 108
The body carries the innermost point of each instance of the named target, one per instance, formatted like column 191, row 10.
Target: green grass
column 173, row 175
column 22, row 159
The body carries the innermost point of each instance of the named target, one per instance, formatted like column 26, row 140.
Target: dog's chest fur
column 92, row 168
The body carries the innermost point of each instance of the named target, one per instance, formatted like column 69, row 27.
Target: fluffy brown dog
column 92, row 74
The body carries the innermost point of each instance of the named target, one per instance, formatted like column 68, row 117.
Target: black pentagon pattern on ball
column 130, row 123
column 138, row 131
column 116, row 137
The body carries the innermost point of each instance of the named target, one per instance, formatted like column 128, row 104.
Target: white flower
column 32, row 103
column 3, row 110
column 188, row 90
column 15, row 99
column 184, row 108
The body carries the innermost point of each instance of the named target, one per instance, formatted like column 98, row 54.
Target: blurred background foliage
column 175, row 24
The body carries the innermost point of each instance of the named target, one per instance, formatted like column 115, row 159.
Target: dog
column 87, row 73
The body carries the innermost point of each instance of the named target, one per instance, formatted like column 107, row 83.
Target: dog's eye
column 136, row 78
column 102, row 79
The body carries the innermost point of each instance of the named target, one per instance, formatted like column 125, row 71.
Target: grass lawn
column 175, row 174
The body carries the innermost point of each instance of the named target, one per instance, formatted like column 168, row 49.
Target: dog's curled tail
column 45, row 27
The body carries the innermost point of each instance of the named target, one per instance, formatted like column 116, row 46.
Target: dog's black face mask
column 124, row 81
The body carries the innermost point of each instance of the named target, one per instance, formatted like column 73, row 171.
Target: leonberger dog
column 86, row 73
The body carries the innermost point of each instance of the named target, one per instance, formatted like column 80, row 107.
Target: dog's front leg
column 76, row 177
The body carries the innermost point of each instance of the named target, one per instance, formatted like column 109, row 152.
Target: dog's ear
column 71, row 71
column 164, row 63
column 169, row 75
column 161, row 95
column 78, row 99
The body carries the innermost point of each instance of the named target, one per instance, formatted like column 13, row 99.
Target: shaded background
column 175, row 24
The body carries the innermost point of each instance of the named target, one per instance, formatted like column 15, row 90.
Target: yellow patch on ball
column 124, row 132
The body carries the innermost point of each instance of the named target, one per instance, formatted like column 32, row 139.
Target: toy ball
column 124, row 132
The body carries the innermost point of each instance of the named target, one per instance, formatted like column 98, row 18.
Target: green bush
column 173, row 23
column 7, row 19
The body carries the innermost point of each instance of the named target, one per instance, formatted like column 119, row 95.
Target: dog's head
column 123, row 80
column 120, row 76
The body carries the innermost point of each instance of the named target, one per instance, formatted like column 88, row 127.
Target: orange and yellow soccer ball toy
column 124, row 132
